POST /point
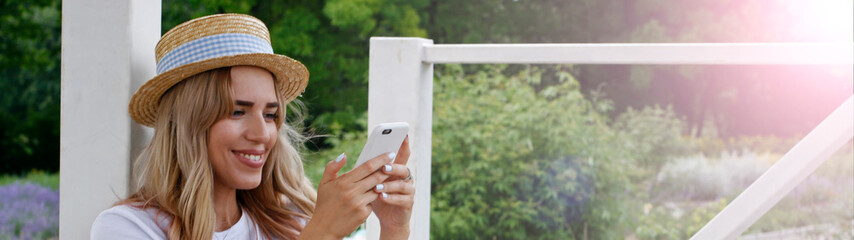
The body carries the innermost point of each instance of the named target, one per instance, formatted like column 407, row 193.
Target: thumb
column 332, row 168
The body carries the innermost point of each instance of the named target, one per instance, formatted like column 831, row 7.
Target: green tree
column 29, row 77
column 514, row 161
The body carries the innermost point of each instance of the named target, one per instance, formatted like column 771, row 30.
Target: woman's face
column 239, row 144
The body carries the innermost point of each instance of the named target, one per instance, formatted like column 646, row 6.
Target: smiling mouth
column 251, row 157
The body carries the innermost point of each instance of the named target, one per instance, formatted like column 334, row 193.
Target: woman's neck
column 225, row 206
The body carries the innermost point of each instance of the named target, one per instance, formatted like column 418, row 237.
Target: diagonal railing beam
column 801, row 161
column 644, row 53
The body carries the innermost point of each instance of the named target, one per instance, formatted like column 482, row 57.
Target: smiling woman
column 223, row 164
column 240, row 143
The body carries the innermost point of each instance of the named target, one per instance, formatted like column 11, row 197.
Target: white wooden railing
column 401, row 89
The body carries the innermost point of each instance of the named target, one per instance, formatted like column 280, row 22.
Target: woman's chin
column 248, row 183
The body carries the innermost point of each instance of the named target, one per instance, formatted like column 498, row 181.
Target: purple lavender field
column 28, row 211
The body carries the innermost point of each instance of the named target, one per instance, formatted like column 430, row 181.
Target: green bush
column 517, row 159
column 29, row 77
column 50, row 180
column 350, row 143
column 674, row 221
column 652, row 134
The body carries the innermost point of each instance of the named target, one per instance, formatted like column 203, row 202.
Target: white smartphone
column 385, row 138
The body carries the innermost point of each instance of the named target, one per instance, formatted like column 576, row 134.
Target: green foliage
column 349, row 143
column 29, row 77
column 50, row 180
column 671, row 221
column 357, row 14
column 511, row 162
column 652, row 135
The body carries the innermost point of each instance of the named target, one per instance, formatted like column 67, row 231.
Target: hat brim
column 290, row 75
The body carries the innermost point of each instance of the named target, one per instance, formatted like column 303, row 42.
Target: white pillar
column 107, row 51
column 400, row 88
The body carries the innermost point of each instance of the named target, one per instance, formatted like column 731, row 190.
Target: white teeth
column 255, row 158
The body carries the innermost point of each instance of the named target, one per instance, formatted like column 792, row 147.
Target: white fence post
column 107, row 51
column 401, row 89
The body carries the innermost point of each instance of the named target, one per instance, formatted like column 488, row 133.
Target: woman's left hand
column 394, row 205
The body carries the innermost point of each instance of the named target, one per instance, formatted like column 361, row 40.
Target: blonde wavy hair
column 175, row 176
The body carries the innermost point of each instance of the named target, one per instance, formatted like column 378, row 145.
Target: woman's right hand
column 343, row 201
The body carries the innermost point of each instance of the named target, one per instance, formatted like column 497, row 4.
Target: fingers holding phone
column 376, row 183
column 403, row 152
column 369, row 175
column 397, row 192
column 397, row 172
column 343, row 202
column 399, row 188
column 368, row 167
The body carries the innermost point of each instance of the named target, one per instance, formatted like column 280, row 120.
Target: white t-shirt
column 126, row 222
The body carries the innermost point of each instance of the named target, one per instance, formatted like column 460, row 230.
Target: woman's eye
column 271, row 116
column 238, row 113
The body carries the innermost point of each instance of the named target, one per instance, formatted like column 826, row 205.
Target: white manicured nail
column 340, row 157
column 391, row 155
column 387, row 168
column 385, row 195
column 380, row 187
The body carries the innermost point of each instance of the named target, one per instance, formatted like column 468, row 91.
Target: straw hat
column 213, row 42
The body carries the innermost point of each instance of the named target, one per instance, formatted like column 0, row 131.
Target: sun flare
column 823, row 20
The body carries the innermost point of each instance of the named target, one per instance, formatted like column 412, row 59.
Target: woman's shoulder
column 130, row 222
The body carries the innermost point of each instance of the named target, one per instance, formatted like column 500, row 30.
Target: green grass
column 50, row 180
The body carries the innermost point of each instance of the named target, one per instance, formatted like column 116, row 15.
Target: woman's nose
column 257, row 131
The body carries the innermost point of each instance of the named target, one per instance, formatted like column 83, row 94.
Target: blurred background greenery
column 526, row 151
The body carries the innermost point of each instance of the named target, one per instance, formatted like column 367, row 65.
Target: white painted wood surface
column 644, row 53
column 401, row 89
column 107, row 51
column 786, row 174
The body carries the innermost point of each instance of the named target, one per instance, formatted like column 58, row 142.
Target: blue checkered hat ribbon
column 220, row 45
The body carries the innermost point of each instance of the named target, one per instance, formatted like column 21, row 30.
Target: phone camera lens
column 386, row 131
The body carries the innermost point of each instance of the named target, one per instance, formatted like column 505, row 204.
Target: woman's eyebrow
column 243, row 103
column 250, row 104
